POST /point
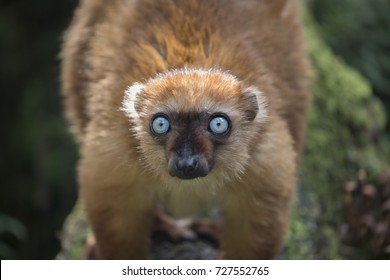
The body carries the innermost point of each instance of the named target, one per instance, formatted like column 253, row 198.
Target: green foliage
column 346, row 126
column 358, row 31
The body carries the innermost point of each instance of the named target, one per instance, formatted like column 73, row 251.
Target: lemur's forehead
column 183, row 106
column 193, row 90
column 194, row 83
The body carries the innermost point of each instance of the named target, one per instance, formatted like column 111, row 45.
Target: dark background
column 38, row 156
column 37, row 187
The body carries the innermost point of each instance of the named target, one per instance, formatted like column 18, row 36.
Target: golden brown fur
column 245, row 58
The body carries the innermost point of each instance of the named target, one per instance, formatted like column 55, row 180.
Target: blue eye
column 219, row 125
column 160, row 125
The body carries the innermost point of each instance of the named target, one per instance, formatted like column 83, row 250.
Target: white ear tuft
column 130, row 99
column 257, row 104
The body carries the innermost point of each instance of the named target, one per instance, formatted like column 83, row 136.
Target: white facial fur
column 128, row 104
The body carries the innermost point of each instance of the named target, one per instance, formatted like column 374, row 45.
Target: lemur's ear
column 255, row 104
column 129, row 104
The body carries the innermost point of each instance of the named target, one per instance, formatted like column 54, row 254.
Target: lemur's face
column 194, row 123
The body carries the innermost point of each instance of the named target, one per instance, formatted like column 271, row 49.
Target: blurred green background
column 38, row 186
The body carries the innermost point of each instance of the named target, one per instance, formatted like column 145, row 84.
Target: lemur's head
column 193, row 123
